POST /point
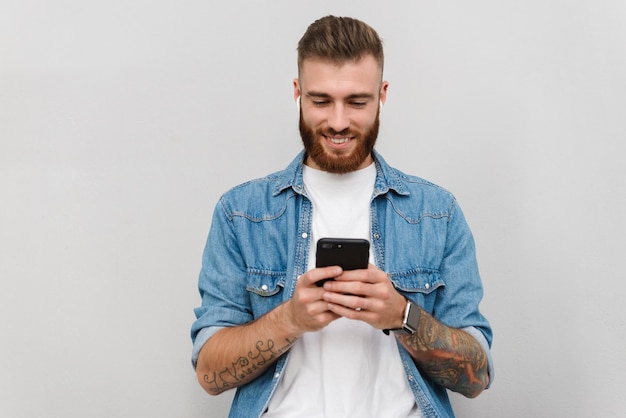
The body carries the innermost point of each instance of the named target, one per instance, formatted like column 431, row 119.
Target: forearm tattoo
column 451, row 357
column 246, row 368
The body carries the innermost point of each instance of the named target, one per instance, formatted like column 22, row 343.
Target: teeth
column 339, row 140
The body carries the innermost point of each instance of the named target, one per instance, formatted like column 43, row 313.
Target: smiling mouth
column 338, row 141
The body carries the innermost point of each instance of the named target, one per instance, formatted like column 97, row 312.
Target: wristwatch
column 409, row 321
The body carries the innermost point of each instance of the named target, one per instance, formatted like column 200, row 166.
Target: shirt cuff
column 201, row 338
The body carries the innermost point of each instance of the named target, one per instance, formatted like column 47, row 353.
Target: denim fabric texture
column 258, row 245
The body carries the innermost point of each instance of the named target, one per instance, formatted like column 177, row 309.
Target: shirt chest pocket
column 265, row 290
column 421, row 286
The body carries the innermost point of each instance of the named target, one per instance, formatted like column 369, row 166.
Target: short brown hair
column 338, row 40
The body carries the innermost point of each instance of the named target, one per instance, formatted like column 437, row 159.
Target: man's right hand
column 306, row 310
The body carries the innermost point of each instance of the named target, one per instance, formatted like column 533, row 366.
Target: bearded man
column 294, row 348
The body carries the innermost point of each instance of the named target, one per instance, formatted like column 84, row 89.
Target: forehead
column 340, row 78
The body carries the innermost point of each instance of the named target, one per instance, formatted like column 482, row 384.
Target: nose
column 338, row 119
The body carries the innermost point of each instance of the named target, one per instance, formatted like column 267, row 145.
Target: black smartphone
column 347, row 253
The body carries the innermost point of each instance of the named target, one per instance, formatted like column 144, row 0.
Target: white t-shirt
column 349, row 369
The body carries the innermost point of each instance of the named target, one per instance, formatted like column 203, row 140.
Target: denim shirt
column 259, row 243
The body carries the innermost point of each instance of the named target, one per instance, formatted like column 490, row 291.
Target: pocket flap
column 265, row 282
column 422, row 281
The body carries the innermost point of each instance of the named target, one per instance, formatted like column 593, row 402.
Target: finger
column 370, row 275
column 344, row 287
column 346, row 312
column 318, row 308
column 348, row 301
column 321, row 273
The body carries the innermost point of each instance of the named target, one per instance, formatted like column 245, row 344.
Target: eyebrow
column 349, row 97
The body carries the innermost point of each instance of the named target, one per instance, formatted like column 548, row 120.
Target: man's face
column 339, row 112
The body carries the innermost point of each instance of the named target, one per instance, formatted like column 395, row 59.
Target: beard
column 335, row 162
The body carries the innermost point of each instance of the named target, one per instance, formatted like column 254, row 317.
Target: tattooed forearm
column 245, row 369
column 450, row 356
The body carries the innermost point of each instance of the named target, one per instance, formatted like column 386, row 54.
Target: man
column 293, row 348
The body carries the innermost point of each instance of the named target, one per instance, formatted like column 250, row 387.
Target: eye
column 358, row 104
column 319, row 102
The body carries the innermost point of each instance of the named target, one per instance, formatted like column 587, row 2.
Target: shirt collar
column 387, row 178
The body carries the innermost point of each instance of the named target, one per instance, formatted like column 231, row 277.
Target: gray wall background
column 122, row 122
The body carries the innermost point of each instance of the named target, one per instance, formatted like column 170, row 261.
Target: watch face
column 413, row 317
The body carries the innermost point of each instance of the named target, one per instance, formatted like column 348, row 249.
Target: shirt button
column 376, row 235
column 264, row 287
column 276, row 375
column 304, row 235
column 427, row 286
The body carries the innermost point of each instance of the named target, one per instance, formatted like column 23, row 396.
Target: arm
column 449, row 356
column 237, row 355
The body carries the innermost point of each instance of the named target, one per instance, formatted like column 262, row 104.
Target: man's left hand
column 366, row 295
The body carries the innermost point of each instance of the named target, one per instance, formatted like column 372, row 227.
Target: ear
column 383, row 92
column 296, row 89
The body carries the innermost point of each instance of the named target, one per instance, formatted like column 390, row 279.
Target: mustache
column 332, row 132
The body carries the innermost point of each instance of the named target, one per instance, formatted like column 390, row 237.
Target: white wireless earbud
column 381, row 103
column 298, row 103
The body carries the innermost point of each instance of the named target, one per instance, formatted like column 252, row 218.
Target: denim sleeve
column 459, row 303
column 221, row 283
column 201, row 338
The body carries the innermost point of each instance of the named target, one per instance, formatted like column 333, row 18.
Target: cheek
column 313, row 119
column 363, row 121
